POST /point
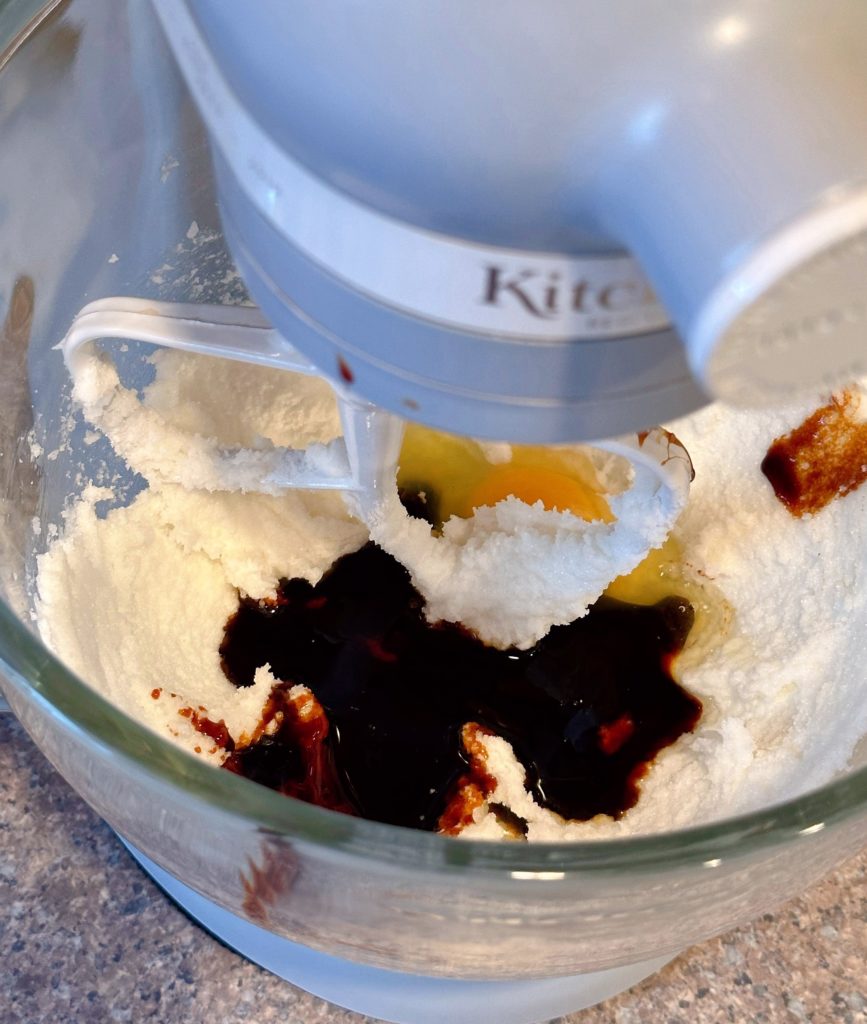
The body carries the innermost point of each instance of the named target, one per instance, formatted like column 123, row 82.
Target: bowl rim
column 40, row 678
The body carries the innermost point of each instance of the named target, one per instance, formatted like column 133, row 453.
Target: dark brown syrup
column 822, row 459
column 586, row 710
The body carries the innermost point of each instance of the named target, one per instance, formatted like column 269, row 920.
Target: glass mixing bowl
column 105, row 189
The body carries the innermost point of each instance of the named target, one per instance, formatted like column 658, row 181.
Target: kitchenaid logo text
column 548, row 295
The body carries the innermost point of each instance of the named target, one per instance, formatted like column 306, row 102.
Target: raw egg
column 456, row 476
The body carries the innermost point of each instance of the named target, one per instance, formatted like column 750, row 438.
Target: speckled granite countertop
column 86, row 936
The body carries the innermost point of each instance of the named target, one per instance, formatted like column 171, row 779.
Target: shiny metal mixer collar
column 467, row 210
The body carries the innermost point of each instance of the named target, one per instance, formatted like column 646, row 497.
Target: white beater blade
column 363, row 461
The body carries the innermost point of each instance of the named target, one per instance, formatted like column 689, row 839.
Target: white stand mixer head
column 470, row 227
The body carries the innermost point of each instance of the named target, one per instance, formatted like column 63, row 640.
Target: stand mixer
column 463, row 259
column 452, row 218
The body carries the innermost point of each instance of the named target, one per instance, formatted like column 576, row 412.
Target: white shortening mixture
column 136, row 602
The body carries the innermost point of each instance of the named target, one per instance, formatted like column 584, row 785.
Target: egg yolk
column 531, row 483
column 457, row 478
column 650, row 580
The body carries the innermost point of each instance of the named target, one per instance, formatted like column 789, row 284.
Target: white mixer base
column 397, row 997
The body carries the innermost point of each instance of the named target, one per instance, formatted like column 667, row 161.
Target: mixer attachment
column 466, row 571
column 360, row 462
